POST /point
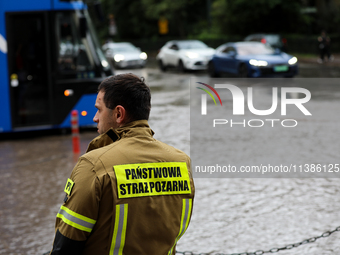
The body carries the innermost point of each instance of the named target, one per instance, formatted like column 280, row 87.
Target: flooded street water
column 231, row 215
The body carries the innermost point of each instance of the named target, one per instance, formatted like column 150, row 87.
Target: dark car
column 274, row 40
column 252, row 59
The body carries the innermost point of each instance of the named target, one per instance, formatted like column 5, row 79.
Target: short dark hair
column 129, row 91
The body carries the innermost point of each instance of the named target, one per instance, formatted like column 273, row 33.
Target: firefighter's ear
column 120, row 115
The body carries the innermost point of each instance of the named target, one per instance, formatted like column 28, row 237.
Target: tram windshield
column 78, row 55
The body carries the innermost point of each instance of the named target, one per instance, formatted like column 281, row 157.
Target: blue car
column 252, row 59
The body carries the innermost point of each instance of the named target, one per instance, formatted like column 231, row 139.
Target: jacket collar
column 134, row 128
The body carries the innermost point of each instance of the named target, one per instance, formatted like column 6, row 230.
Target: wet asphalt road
column 230, row 215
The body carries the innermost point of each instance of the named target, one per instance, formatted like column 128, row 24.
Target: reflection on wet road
column 230, row 215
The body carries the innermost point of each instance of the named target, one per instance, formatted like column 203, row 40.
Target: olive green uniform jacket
column 128, row 194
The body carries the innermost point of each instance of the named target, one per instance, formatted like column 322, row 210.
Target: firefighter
column 129, row 193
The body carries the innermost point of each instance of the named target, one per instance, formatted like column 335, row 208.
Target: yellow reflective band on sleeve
column 185, row 218
column 152, row 179
column 119, row 233
column 69, row 186
column 75, row 219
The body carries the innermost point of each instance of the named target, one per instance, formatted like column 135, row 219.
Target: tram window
column 75, row 59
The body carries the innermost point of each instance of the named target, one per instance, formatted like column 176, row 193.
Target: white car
column 185, row 55
column 124, row 55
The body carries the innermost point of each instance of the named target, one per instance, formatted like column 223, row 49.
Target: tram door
column 28, row 69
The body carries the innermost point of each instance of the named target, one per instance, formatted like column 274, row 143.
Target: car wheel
column 243, row 71
column 212, row 70
column 180, row 67
column 161, row 65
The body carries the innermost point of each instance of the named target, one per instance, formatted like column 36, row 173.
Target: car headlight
column 292, row 61
column 105, row 63
column 118, row 57
column 255, row 62
column 191, row 55
column 143, row 56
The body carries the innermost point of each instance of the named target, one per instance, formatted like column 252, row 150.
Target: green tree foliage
column 212, row 19
column 130, row 19
column 328, row 15
column 243, row 16
column 138, row 19
column 185, row 17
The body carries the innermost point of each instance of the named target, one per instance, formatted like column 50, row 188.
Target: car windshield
column 124, row 48
column 272, row 39
column 192, row 45
column 254, row 49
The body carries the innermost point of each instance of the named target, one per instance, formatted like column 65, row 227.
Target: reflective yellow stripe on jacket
column 119, row 233
column 118, row 239
column 75, row 220
column 186, row 211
